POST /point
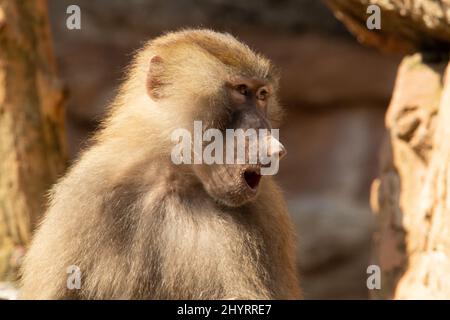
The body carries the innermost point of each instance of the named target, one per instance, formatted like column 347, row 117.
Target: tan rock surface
column 405, row 25
column 411, row 197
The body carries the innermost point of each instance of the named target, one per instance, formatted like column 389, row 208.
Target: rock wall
column 411, row 197
column 406, row 26
column 32, row 148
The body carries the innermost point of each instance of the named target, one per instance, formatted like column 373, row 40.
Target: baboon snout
column 275, row 148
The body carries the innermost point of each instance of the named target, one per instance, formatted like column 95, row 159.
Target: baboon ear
column 155, row 71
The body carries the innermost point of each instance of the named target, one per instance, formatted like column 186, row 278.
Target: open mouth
column 252, row 179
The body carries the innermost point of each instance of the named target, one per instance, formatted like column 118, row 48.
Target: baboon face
column 237, row 180
column 227, row 87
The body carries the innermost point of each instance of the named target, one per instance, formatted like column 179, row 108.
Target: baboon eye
column 243, row 89
column 262, row 94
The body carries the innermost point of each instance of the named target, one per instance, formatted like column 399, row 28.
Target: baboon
column 138, row 226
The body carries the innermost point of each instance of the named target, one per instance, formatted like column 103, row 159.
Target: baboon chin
column 136, row 225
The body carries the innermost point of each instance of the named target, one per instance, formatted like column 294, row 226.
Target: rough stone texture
column 412, row 195
column 335, row 92
column 405, row 25
column 32, row 151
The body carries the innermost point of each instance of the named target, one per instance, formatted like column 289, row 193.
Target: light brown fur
column 140, row 227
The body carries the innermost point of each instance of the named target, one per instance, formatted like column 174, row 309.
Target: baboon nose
column 277, row 148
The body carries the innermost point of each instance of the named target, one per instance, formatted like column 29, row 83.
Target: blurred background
column 335, row 91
